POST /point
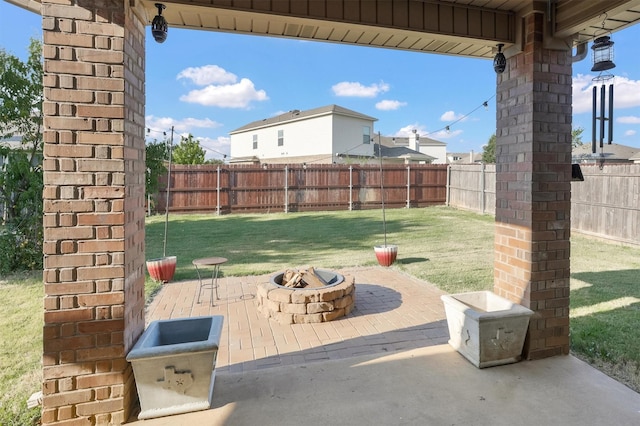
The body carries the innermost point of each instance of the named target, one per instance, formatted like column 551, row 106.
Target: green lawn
column 449, row 248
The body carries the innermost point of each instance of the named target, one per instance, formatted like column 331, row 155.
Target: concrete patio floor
column 387, row 363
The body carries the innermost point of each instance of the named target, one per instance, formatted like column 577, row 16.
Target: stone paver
column 393, row 312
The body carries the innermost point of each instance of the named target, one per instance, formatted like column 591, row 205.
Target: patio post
column 94, row 168
column 533, row 187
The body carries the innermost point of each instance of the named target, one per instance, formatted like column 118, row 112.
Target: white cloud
column 629, row 119
column 422, row 131
column 157, row 125
column 630, row 133
column 407, row 130
column 208, row 74
column 238, row 95
column 444, row 134
column 626, row 92
column 451, row 116
column 355, row 89
column 389, row 105
column 216, row 147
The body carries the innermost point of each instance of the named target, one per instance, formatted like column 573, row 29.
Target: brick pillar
column 533, row 172
column 93, row 208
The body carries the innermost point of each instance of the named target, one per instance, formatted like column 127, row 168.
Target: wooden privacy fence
column 606, row 204
column 472, row 187
column 295, row 187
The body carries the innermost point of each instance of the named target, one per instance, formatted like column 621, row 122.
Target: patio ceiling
column 454, row 27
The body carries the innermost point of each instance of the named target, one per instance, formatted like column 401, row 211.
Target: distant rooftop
column 295, row 115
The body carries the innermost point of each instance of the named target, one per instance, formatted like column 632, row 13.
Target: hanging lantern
column 602, row 54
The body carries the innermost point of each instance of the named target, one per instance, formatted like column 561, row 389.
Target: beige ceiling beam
column 584, row 17
column 447, row 19
column 30, row 5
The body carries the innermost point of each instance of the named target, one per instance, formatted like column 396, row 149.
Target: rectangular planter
column 485, row 328
column 174, row 365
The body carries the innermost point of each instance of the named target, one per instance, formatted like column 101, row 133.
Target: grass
column 449, row 248
column 20, row 346
column 432, row 242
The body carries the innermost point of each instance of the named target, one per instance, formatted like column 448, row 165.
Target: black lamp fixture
column 159, row 26
column 602, row 54
column 499, row 61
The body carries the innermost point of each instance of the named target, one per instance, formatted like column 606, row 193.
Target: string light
column 447, row 127
column 224, row 156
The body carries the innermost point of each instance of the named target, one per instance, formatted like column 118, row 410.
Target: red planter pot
column 386, row 254
column 162, row 269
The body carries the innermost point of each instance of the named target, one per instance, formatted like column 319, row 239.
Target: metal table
column 207, row 262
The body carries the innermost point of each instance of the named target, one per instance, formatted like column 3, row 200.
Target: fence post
column 483, row 189
column 218, row 193
column 286, row 189
column 350, row 188
column 408, row 186
column 446, row 203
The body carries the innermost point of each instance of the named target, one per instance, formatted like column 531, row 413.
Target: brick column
column 93, row 208
column 533, row 184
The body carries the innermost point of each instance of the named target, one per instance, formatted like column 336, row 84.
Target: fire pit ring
column 307, row 305
column 330, row 277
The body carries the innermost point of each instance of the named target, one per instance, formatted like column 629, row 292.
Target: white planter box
column 174, row 365
column 485, row 328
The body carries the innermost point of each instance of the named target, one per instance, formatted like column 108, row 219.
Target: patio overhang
column 468, row 28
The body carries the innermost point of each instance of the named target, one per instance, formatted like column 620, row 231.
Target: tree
column 188, row 151
column 21, row 174
column 489, row 150
column 576, row 137
column 157, row 153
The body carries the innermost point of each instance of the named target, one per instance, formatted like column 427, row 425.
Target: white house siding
column 347, row 136
column 306, row 137
column 319, row 138
column 439, row 152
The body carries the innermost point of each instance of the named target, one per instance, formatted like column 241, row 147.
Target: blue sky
column 208, row 84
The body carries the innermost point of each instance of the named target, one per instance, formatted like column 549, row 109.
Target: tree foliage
column 489, row 150
column 576, row 137
column 157, row 154
column 21, row 172
column 188, row 151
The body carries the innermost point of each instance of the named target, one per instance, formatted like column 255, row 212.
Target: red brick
column 70, row 315
column 104, row 406
column 99, row 380
column 101, row 353
column 104, row 192
column 100, row 272
column 93, row 327
column 67, row 370
column 101, row 219
column 77, row 287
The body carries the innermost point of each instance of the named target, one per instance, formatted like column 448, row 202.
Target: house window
column 366, row 134
column 255, row 141
column 280, row 137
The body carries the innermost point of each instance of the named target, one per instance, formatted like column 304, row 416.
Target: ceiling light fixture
column 499, row 61
column 159, row 26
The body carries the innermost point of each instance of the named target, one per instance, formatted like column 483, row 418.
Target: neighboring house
column 326, row 135
column 611, row 153
column 464, row 157
column 396, row 151
column 433, row 148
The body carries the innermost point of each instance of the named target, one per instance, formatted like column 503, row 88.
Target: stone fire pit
column 307, row 305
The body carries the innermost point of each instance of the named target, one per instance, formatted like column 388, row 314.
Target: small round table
column 204, row 262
